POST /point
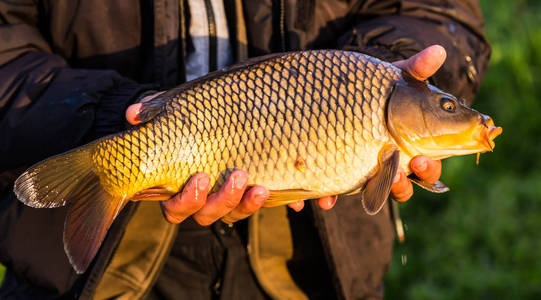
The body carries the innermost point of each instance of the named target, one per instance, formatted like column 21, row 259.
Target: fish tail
column 69, row 180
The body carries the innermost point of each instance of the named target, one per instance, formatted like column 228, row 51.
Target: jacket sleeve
column 394, row 30
column 46, row 107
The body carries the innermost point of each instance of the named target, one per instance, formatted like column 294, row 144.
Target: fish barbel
column 303, row 124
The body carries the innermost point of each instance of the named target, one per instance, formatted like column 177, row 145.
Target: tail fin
column 69, row 179
column 52, row 182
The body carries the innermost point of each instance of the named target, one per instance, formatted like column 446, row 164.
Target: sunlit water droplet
column 404, row 259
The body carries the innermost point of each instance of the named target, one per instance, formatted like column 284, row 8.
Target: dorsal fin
column 150, row 109
column 155, row 106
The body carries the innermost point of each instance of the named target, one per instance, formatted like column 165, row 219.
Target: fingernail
column 260, row 197
column 421, row 165
column 329, row 203
column 441, row 50
column 137, row 112
column 332, row 201
column 137, row 116
column 239, row 181
column 203, row 182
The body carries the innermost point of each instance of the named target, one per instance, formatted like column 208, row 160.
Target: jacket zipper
column 213, row 51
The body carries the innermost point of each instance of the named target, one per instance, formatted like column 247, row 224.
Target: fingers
column 425, row 63
column 224, row 201
column 426, row 169
column 252, row 200
column 192, row 199
column 327, row 203
column 402, row 190
column 296, row 206
column 324, row 203
column 132, row 113
column 230, row 203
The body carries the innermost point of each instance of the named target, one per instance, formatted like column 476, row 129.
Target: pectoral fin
column 378, row 187
column 436, row 187
column 282, row 197
column 152, row 108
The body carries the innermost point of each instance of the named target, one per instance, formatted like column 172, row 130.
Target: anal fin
column 378, row 188
column 282, row 197
column 87, row 222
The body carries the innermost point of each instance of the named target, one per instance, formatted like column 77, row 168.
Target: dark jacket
column 69, row 69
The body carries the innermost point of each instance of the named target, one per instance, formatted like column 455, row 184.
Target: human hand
column 421, row 66
column 231, row 203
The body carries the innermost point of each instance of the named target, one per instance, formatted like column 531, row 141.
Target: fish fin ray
column 378, row 188
column 87, row 223
column 436, row 187
column 156, row 105
column 153, row 194
column 356, row 189
column 150, row 109
column 230, row 69
column 69, row 179
column 282, row 197
column 53, row 181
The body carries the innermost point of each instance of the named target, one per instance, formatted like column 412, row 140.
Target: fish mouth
column 488, row 133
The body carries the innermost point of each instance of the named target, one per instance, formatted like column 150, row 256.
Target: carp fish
column 303, row 124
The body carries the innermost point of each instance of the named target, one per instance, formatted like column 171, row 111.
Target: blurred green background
column 482, row 240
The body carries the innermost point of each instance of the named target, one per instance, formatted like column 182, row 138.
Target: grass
column 482, row 239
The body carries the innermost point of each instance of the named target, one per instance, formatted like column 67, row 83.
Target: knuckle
column 203, row 220
column 247, row 209
column 405, row 195
column 399, row 186
column 170, row 217
column 231, row 202
column 228, row 219
column 198, row 202
column 193, row 203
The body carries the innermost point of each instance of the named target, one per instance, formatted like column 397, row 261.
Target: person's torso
column 149, row 40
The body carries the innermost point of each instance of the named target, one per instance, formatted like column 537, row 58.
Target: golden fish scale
column 310, row 120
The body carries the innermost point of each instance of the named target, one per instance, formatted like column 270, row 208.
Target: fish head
column 425, row 120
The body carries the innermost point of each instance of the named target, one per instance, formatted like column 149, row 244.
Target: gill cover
column 425, row 120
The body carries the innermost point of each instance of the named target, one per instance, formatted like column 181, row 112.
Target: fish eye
column 447, row 104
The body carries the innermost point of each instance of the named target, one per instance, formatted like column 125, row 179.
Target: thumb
column 425, row 63
column 132, row 113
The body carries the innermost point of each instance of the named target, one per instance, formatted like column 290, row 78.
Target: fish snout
column 486, row 120
column 488, row 132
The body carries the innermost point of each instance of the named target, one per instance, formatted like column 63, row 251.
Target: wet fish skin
column 309, row 120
